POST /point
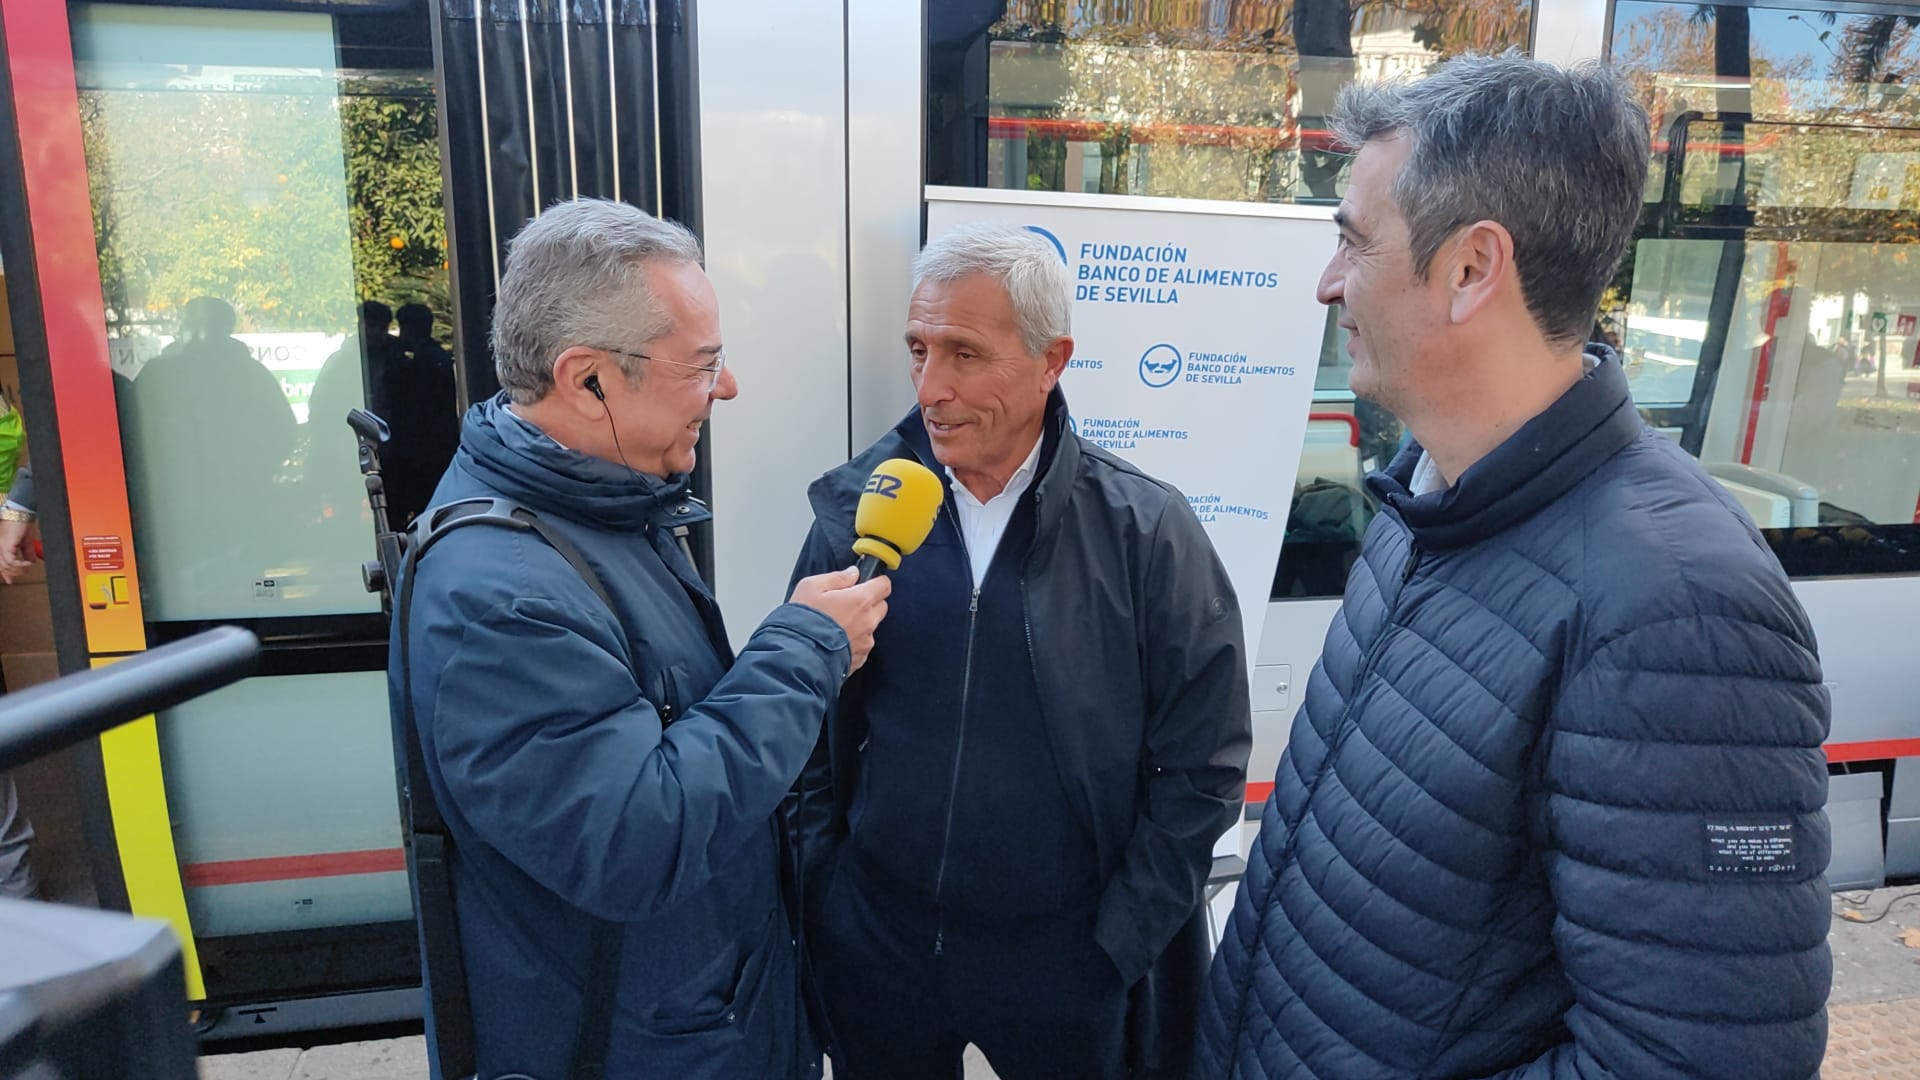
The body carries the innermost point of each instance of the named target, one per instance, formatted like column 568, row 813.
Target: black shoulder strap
column 449, row 978
column 439, row 521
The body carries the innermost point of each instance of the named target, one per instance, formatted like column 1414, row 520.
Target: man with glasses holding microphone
column 606, row 761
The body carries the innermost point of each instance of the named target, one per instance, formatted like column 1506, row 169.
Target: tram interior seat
column 1781, row 495
column 1768, row 510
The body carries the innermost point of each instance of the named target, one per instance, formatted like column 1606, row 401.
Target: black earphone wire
column 616, row 442
column 593, row 384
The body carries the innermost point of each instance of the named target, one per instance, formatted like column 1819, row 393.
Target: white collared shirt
column 1426, row 476
column 983, row 524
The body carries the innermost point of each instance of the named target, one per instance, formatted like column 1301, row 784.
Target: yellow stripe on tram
column 143, row 832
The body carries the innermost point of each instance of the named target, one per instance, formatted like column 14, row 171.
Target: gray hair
column 1026, row 265
column 1556, row 156
column 576, row 275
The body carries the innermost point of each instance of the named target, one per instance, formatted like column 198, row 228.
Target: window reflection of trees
column 1785, row 247
column 1821, row 90
column 1808, row 127
column 240, row 216
column 234, row 193
column 1220, row 100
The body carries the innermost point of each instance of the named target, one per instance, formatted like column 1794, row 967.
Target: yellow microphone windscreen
column 896, row 511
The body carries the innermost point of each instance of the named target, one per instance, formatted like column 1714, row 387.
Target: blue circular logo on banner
column 1160, row 365
column 1054, row 240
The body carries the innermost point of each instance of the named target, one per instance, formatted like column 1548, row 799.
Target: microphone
column 896, row 513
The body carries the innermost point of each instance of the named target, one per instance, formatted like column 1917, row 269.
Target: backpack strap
column 451, row 1005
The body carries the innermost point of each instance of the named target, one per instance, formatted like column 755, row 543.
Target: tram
column 220, row 222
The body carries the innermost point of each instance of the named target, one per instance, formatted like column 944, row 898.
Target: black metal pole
column 54, row 715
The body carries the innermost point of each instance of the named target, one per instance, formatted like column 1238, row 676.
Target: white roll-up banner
column 1196, row 337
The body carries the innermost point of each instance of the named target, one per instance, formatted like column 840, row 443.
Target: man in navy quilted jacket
column 1553, row 804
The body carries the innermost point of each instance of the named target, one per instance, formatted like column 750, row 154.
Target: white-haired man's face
column 983, row 395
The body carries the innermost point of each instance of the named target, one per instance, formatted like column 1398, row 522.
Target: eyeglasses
column 712, row 370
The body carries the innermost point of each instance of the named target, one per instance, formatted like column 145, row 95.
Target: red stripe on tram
column 293, row 867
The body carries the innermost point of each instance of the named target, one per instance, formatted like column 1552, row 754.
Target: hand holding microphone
column 895, row 515
column 858, row 606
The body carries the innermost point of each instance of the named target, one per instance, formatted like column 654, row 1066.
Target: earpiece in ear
column 593, row 386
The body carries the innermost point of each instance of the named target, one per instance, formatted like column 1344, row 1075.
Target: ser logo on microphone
column 884, row 485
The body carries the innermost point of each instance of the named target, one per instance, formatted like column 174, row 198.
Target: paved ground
column 1876, row 988
column 1875, row 1012
column 389, row 1059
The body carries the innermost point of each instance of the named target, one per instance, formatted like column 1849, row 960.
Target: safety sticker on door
column 104, row 552
column 1747, row 846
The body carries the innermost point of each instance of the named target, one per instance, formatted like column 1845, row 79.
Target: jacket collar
column 834, row 495
column 1550, row 454
column 514, row 457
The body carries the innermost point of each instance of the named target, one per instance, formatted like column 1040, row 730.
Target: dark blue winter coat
column 1135, row 642
column 541, row 719
column 1553, row 804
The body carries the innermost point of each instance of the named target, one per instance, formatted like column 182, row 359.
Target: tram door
column 238, row 225
column 1769, row 319
column 235, row 236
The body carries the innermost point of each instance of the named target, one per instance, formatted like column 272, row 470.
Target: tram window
column 1330, row 378
column 1770, row 304
column 1217, row 101
column 249, row 190
column 1844, row 73
column 1346, row 438
column 256, row 177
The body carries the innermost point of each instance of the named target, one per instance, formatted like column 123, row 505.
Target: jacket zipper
column 1026, row 620
column 953, row 788
column 1026, row 608
column 669, row 693
column 959, row 748
column 1333, row 750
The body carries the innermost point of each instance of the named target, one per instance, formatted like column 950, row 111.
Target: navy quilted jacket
column 1553, row 804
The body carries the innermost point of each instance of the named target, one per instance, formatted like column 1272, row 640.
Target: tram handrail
column 46, row 718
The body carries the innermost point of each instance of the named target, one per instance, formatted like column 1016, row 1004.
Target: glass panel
column 281, row 791
column 1330, row 378
column 1813, row 381
column 1220, row 100
column 1794, row 175
column 247, row 191
column 1666, row 320
column 1770, row 307
column 1799, row 67
column 251, row 194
